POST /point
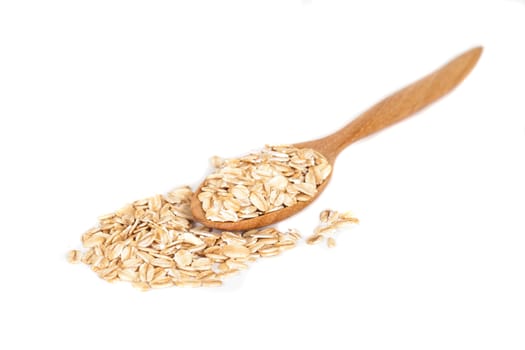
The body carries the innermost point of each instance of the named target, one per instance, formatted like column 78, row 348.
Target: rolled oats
column 155, row 243
column 259, row 183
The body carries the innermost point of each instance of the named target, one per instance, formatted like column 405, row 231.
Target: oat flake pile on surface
column 155, row 243
column 276, row 177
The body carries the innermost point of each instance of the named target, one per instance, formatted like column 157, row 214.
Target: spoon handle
column 403, row 103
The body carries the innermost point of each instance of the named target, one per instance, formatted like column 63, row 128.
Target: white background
column 105, row 102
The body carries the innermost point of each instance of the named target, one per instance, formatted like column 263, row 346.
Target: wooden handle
column 403, row 103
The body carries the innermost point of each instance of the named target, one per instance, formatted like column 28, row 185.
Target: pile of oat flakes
column 262, row 182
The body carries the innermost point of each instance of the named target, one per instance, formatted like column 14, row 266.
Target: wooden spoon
column 389, row 111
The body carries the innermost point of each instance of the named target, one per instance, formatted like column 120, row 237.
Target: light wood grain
column 391, row 110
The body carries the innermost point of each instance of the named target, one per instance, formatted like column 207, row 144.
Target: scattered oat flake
column 314, row 239
column 74, row 256
column 329, row 222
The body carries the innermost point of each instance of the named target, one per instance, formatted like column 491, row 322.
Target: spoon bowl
column 394, row 108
